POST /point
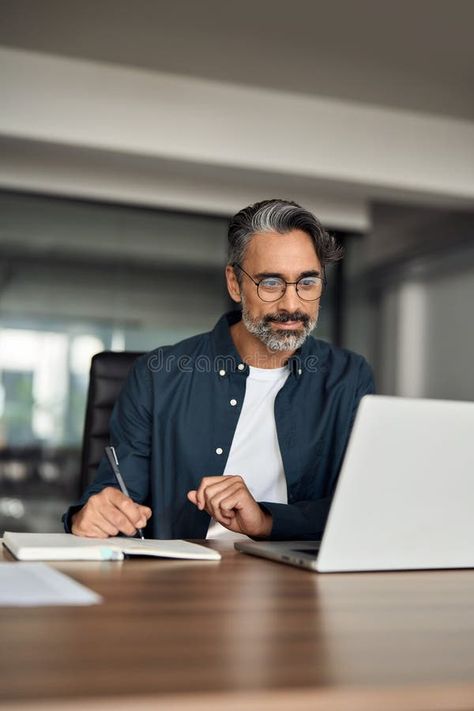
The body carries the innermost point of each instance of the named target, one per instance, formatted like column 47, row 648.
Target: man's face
column 281, row 325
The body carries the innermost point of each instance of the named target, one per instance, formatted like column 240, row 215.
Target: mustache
column 285, row 317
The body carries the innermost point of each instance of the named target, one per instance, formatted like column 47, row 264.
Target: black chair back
column 108, row 372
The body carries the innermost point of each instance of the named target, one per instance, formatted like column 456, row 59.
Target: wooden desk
column 244, row 633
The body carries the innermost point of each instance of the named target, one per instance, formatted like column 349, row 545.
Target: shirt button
column 222, row 372
column 299, row 371
column 233, row 402
column 241, row 366
column 219, row 450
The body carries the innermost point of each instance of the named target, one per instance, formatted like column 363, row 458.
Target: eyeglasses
column 272, row 288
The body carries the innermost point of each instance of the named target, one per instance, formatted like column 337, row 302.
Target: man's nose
column 290, row 301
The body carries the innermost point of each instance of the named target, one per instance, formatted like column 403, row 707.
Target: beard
column 275, row 339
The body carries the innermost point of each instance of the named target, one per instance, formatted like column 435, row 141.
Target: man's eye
column 309, row 282
column 271, row 283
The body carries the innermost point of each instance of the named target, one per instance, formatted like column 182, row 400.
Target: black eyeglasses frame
column 287, row 284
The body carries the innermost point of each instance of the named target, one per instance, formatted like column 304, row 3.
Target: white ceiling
column 416, row 55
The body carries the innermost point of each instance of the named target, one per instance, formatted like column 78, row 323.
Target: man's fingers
column 124, row 503
column 211, row 485
column 136, row 514
column 119, row 520
column 108, row 513
column 107, row 528
column 213, row 491
column 228, row 500
column 206, row 483
column 131, row 511
column 215, row 498
column 192, row 496
column 224, row 518
column 109, row 519
column 81, row 526
column 99, row 531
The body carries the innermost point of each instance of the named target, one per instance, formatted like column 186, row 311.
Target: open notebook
column 65, row 546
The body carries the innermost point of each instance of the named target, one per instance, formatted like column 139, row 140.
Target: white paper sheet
column 35, row 584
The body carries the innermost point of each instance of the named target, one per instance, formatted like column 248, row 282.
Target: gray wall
column 145, row 269
column 410, row 301
column 449, row 336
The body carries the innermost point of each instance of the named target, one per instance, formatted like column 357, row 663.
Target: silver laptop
column 405, row 495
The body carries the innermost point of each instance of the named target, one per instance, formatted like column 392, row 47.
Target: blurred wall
column 449, row 339
column 69, row 259
column 410, row 301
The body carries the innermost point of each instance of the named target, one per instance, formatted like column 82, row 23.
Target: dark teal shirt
column 173, row 424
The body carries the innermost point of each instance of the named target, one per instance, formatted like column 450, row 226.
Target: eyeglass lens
column 307, row 288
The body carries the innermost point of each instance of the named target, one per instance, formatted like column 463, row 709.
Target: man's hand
column 109, row 513
column 230, row 503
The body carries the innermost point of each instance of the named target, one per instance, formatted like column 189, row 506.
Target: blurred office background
column 131, row 130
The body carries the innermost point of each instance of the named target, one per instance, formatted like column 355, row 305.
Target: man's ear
column 232, row 284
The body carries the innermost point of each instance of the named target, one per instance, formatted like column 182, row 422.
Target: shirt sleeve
column 305, row 520
column 130, row 434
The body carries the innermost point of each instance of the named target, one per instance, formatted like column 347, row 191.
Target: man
column 240, row 431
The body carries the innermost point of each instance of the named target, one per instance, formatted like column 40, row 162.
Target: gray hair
column 280, row 216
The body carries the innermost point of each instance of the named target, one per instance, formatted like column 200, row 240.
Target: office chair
column 107, row 375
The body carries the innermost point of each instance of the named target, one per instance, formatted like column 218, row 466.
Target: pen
column 112, row 457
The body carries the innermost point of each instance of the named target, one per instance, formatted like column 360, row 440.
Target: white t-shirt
column 255, row 452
